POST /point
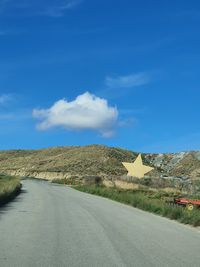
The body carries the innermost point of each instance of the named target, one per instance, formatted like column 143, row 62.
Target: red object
column 185, row 201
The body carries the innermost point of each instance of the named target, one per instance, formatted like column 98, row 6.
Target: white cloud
column 37, row 7
column 128, row 81
column 4, row 99
column 87, row 111
column 71, row 4
column 58, row 10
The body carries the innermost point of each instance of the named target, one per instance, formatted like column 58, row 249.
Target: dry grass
column 88, row 160
column 9, row 188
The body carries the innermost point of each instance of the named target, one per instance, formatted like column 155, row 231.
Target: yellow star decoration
column 137, row 169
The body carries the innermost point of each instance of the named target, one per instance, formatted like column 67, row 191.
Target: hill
column 94, row 160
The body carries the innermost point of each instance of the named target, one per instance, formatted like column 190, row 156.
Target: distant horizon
column 60, row 146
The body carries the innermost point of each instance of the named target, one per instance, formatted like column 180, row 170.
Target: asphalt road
column 52, row 225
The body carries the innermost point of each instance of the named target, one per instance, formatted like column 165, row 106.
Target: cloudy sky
column 120, row 73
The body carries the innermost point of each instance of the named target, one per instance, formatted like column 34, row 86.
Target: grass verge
column 154, row 202
column 9, row 188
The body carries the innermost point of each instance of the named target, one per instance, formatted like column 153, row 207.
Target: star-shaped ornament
column 137, row 168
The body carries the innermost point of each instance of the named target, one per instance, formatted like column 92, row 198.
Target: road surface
column 53, row 225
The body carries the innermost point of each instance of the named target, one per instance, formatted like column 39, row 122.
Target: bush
column 9, row 188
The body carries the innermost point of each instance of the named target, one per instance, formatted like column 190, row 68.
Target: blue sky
column 120, row 73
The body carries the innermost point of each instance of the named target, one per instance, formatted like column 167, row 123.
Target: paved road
column 52, row 225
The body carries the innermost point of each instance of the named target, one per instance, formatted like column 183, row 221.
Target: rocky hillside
column 184, row 165
column 62, row 162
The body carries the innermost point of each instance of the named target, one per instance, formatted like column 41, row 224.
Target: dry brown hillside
column 98, row 160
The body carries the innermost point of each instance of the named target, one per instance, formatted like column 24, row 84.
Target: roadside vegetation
column 9, row 188
column 153, row 201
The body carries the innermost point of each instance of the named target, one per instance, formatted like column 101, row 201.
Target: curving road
column 52, row 225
